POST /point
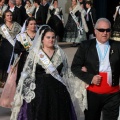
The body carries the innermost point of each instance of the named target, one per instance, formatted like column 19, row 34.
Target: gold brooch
column 4, row 29
column 41, row 55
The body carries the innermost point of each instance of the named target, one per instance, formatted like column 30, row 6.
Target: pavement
column 70, row 51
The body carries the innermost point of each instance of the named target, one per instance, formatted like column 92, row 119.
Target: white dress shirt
column 104, row 63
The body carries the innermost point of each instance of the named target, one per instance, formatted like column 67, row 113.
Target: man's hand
column 96, row 80
column 84, row 69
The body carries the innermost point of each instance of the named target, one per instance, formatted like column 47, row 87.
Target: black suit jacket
column 24, row 16
column 87, row 56
column 16, row 15
column 40, row 15
column 92, row 20
column 46, row 11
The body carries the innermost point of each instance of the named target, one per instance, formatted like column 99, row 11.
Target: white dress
column 29, row 10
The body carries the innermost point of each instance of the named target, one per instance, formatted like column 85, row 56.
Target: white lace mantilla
column 26, row 85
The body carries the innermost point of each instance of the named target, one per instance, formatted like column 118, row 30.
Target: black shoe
column 72, row 44
column 75, row 45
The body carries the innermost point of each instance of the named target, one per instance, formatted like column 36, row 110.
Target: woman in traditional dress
column 55, row 19
column 46, row 83
column 22, row 45
column 29, row 8
column 115, row 35
column 24, row 42
column 8, row 32
column 76, row 25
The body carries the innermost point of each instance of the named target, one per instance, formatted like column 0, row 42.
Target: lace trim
column 56, row 60
column 26, row 85
column 29, row 82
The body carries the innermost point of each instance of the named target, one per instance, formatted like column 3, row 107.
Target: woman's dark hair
column 37, row 1
column 54, row 1
column 4, row 14
column 29, row 19
column 46, row 29
column 28, row 1
column 89, row 3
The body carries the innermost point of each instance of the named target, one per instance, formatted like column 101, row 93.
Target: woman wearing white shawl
column 55, row 19
column 76, row 26
column 29, row 7
column 46, row 85
column 23, row 42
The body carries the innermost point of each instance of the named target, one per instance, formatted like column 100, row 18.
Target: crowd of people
column 44, row 13
column 45, row 88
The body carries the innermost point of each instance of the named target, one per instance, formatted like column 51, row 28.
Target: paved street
column 4, row 114
column 70, row 51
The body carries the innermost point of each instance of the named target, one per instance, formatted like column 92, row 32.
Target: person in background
column 8, row 32
column 46, row 6
column 82, row 3
column 24, row 42
column 55, row 19
column 29, row 8
column 116, row 26
column 49, row 1
column 22, row 46
column 76, row 25
column 22, row 11
column 15, row 11
column 3, row 8
column 90, row 19
column 97, row 63
column 39, row 13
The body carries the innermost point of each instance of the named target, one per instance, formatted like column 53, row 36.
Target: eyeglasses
column 103, row 30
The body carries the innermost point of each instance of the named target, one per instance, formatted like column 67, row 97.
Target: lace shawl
column 13, row 32
column 75, row 87
column 57, row 12
column 26, row 85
